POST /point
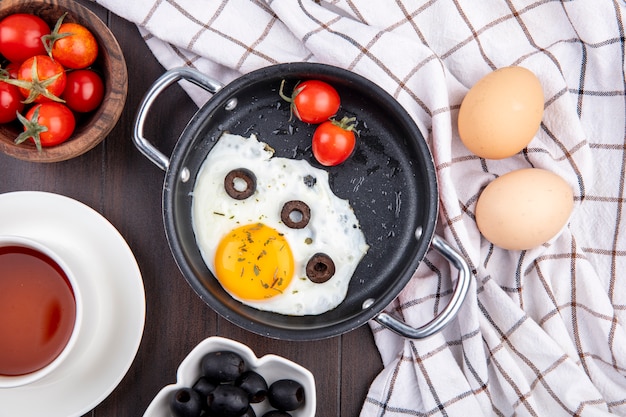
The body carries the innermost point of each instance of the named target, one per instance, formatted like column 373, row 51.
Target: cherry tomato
column 20, row 36
column 75, row 46
column 313, row 101
column 47, row 124
column 10, row 102
column 12, row 69
column 43, row 79
column 334, row 141
column 83, row 91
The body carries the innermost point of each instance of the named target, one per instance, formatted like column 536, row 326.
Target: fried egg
column 271, row 230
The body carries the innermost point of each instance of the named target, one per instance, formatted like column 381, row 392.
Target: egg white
column 333, row 228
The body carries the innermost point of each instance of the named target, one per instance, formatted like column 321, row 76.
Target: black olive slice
column 235, row 181
column 320, row 268
column 295, row 214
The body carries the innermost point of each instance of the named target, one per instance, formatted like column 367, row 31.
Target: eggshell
column 501, row 113
column 524, row 209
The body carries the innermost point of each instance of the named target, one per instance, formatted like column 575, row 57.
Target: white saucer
column 113, row 297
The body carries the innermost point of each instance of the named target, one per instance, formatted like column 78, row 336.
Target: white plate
column 271, row 367
column 113, row 296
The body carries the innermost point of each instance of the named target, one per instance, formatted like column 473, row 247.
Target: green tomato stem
column 32, row 129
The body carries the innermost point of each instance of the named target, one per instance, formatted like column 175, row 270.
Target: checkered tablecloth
column 542, row 331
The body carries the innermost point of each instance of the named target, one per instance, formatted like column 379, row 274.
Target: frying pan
column 389, row 181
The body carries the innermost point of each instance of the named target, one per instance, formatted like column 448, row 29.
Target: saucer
column 114, row 303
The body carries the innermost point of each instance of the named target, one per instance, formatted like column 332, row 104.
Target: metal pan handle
column 450, row 311
column 162, row 83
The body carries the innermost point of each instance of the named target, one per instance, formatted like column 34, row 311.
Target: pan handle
column 450, row 311
column 162, row 83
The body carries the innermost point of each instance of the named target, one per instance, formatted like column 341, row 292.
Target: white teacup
column 41, row 310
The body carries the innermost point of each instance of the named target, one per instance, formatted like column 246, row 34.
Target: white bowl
column 271, row 367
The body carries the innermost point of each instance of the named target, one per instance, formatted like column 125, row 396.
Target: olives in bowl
column 222, row 377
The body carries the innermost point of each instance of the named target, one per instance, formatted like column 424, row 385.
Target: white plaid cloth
column 541, row 332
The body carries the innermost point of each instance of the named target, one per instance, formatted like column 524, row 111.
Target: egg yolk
column 254, row 262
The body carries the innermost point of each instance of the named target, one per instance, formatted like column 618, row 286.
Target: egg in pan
column 271, row 230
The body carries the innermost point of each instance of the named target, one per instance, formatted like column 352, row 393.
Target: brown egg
column 524, row 209
column 501, row 113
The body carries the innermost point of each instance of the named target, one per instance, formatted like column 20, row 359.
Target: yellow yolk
column 254, row 262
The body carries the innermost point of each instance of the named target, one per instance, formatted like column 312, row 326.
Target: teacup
column 41, row 310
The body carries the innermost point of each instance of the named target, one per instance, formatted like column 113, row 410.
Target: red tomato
column 313, row 101
column 84, row 90
column 44, row 79
column 47, row 124
column 333, row 142
column 10, row 102
column 12, row 69
column 79, row 49
column 20, row 36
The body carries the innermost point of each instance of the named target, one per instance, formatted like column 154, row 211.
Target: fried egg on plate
column 272, row 231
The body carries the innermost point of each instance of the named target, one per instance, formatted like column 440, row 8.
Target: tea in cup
column 40, row 310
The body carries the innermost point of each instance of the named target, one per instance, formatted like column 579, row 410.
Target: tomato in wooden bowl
column 91, row 60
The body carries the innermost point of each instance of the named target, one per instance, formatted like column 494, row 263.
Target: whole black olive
column 222, row 366
column 276, row 413
column 186, row 403
column 228, row 401
column 254, row 384
column 204, row 387
column 286, row 394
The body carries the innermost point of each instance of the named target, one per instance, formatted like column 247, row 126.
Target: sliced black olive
column 186, row 403
column 320, row 268
column 286, row 394
column 228, row 401
column 240, row 183
column 276, row 413
column 254, row 384
column 295, row 214
column 222, row 366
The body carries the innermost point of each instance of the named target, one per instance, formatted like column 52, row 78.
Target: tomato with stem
column 312, row 101
column 40, row 79
column 334, row 141
column 71, row 44
column 47, row 124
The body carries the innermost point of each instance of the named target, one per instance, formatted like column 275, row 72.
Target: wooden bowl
column 91, row 128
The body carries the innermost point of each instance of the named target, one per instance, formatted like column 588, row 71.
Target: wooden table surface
column 122, row 185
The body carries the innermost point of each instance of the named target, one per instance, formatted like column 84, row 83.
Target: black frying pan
column 389, row 180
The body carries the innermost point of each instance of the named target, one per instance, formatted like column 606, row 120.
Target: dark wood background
column 121, row 184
